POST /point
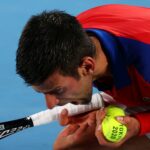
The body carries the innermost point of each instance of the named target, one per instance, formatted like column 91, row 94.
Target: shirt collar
column 115, row 57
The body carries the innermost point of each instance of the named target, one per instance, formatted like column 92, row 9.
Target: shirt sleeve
column 144, row 119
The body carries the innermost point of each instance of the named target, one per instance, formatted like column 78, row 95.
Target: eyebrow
column 51, row 90
column 45, row 91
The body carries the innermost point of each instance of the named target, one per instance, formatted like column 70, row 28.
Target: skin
column 59, row 89
column 131, row 123
column 76, row 134
column 89, row 122
column 82, row 131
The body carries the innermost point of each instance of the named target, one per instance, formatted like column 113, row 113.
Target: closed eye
column 57, row 91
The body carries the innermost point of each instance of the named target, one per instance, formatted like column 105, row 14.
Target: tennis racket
column 11, row 127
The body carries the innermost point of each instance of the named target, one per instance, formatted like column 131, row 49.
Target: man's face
column 59, row 89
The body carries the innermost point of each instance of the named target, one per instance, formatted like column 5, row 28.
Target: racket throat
column 11, row 127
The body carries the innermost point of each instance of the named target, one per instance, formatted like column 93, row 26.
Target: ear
column 87, row 66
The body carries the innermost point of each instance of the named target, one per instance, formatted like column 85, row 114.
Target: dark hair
column 51, row 41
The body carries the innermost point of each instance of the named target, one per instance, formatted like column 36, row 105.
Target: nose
column 51, row 100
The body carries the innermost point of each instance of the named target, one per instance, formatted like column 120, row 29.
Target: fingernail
column 119, row 118
column 102, row 108
column 64, row 112
column 99, row 127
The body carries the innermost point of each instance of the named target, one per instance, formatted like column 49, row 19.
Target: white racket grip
column 50, row 115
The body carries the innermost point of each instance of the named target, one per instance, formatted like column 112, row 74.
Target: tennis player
column 108, row 47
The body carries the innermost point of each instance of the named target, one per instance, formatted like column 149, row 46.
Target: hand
column 131, row 123
column 89, row 118
column 79, row 134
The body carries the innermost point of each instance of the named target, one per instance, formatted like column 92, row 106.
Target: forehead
column 55, row 80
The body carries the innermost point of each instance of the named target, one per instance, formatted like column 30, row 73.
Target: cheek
column 76, row 87
column 79, row 88
column 86, row 86
column 72, row 90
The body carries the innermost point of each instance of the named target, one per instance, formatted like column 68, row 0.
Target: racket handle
column 50, row 115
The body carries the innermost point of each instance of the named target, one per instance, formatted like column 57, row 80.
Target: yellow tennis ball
column 112, row 129
column 114, row 111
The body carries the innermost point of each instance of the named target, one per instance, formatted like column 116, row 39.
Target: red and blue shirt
column 124, row 33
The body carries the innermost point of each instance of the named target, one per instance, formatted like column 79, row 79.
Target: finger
column 100, row 114
column 98, row 132
column 92, row 119
column 63, row 117
column 81, row 130
column 99, row 118
column 70, row 129
column 123, row 119
column 80, row 118
column 104, row 142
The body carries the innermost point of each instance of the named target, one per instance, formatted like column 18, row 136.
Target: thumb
column 63, row 117
column 123, row 119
